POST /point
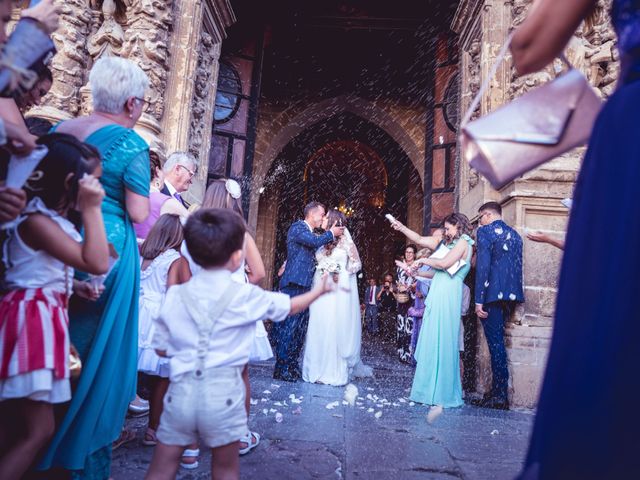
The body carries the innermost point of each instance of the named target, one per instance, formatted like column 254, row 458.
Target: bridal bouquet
column 331, row 268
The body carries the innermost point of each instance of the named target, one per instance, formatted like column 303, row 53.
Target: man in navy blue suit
column 498, row 289
column 302, row 244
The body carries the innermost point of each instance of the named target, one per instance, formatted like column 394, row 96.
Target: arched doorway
column 348, row 163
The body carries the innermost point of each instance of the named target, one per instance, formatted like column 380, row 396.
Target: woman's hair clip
column 233, row 188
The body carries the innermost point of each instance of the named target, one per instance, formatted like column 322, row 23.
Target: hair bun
column 233, row 188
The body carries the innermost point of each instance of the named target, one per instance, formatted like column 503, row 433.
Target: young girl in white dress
column 40, row 252
column 161, row 267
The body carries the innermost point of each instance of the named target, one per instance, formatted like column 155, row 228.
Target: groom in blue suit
column 302, row 244
column 498, row 289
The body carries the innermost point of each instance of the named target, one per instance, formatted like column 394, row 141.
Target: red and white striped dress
column 34, row 335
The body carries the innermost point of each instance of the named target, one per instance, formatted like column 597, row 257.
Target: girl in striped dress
column 41, row 250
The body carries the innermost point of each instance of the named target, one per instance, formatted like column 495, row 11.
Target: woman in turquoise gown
column 105, row 330
column 437, row 377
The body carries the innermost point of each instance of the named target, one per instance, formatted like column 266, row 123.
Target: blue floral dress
column 105, row 332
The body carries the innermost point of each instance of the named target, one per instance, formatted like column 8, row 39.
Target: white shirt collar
column 310, row 228
column 213, row 274
column 172, row 191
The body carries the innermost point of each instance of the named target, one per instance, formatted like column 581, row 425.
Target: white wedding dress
column 332, row 346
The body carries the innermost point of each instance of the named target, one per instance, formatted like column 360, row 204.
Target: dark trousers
column 498, row 312
column 371, row 317
column 289, row 335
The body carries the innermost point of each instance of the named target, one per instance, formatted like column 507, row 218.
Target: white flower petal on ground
column 370, row 410
column 296, row 400
column 332, row 405
column 263, row 400
column 434, row 413
column 274, row 385
column 253, row 401
column 411, row 404
column 266, row 392
column 265, row 411
column 273, row 410
column 495, row 432
column 279, row 417
column 350, row 394
column 402, row 400
column 378, row 414
column 278, row 404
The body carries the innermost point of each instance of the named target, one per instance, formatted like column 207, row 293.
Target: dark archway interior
column 340, row 181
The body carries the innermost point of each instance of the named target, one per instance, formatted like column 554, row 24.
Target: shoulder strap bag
column 532, row 129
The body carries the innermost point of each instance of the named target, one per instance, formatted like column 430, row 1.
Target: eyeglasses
column 190, row 172
column 142, row 101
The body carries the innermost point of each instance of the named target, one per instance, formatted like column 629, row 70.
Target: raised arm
column 429, row 242
column 456, row 253
column 302, row 235
column 546, row 31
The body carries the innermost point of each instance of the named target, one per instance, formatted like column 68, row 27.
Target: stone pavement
column 317, row 442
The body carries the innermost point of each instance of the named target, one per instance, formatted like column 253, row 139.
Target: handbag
column 532, row 129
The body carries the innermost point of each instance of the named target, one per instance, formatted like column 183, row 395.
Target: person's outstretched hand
column 337, row 231
column 20, row 141
column 46, row 13
column 12, row 202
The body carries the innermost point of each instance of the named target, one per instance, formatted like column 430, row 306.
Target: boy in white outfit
column 206, row 328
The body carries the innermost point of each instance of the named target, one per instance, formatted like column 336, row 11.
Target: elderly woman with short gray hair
column 105, row 330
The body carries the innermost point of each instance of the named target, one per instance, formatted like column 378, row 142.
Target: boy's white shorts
column 211, row 408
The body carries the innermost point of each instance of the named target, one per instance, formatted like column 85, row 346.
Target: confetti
column 494, row 432
column 253, row 401
column 378, row 414
column 332, row 405
column 266, row 392
column 434, row 413
column 350, row 394
column 279, row 417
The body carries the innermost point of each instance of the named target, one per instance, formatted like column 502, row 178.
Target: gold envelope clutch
column 531, row 130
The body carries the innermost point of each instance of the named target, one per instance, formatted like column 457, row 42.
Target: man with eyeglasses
column 178, row 170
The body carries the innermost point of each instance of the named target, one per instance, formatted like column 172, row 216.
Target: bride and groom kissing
column 330, row 330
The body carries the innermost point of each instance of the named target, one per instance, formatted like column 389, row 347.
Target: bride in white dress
column 332, row 346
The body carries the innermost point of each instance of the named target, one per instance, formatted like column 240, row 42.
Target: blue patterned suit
column 297, row 278
column 498, row 288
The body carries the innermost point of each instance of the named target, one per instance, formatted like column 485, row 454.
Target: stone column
column 532, row 201
column 198, row 32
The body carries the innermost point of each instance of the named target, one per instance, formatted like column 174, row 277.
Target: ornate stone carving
column 146, row 41
column 69, row 65
column 204, row 85
column 591, row 50
column 474, row 81
column 109, row 38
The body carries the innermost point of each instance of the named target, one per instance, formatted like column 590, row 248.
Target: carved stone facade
column 532, row 201
column 176, row 43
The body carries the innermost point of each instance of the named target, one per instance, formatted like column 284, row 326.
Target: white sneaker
column 139, row 406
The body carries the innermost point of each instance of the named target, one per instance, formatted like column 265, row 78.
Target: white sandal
column 248, row 439
column 195, row 453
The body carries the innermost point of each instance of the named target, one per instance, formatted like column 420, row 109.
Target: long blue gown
column 587, row 425
column 437, row 377
column 106, row 332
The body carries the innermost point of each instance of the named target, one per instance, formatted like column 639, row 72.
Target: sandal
column 189, row 453
column 150, row 439
column 249, row 440
column 126, row 436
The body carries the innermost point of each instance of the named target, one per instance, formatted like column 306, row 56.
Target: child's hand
column 85, row 290
column 12, row 201
column 90, row 193
column 326, row 285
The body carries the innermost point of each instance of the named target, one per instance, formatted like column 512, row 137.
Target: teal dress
column 437, row 377
column 106, row 332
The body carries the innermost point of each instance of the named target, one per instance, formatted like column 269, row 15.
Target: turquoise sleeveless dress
column 106, row 332
column 437, row 377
